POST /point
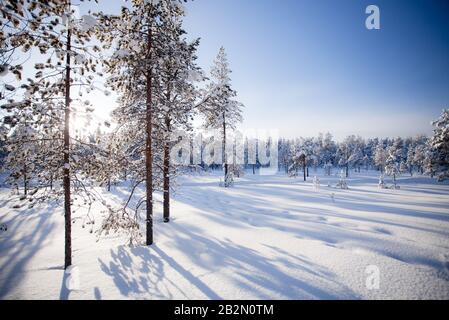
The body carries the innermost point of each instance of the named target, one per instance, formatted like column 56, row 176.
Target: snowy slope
column 268, row 237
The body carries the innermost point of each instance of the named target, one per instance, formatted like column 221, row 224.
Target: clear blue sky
column 309, row 66
column 305, row 66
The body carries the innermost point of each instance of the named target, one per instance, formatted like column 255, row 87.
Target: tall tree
column 176, row 95
column 380, row 157
column 394, row 159
column 140, row 38
column 222, row 111
column 60, row 41
column 439, row 148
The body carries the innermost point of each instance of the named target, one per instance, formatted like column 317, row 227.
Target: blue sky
column 311, row 66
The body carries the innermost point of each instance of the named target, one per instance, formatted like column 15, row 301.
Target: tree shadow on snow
column 248, row 206
column 19, row 250
column 142, row 271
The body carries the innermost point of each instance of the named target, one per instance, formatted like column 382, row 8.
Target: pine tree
column 394, row 159
column 150, row 56
column 380, row 157
column 52, row 29
column 419, row 158
column 222, row 111
column 283, row 153
column 410, row 161
column 350, row 152
column 328, row 151
column 298, row 161
column 439, row 148
column 177, row 96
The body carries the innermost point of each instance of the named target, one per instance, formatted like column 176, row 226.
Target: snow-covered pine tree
column 368, row 153
column 394, row 159
column 60, row 39
column 419, row 158
column 345, row 149
column 113, row 162
column 438, row 151
column 298, row 160
column 222, row 111
column 356, row 157
column 342, row 184
column 404, row 167
column 176, row 95
column 381, row 183
column 328, row 151
column 410, row 161
column 284, row 154
column 22, row 157
column 145, row 40
column 309, row 150
column 380, row 157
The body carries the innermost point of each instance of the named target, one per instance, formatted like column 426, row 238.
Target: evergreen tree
column 150, row 56
column 380, row 157
column 60, row 40
column 439, row 148
column 176, row 96
column 394, row 159
column 222, row 111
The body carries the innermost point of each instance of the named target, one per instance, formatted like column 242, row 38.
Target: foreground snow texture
column 268, row 237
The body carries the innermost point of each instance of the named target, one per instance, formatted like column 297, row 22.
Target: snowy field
column 268, row 237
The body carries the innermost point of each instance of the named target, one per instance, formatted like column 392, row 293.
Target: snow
column 88, row 22
column 267, row 237
column 121, row 53
column 79, row 59
column 194, row 76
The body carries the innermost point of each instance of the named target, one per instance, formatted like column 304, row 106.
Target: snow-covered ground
column 268, row 237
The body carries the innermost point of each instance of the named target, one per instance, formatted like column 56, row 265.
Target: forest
column 174, row 123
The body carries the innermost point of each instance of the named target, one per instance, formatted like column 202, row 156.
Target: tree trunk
column 224, row 147
column 66, row 181
column 167, row 174
column 304, row 170
column 347, row 170
column 25, row 180
column 201, row 153
column 149, row 151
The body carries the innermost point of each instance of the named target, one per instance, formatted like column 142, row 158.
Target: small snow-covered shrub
column 381, row 184
column 316, row 183
column 229, row 180
column 342, row 184
column 237, row 170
